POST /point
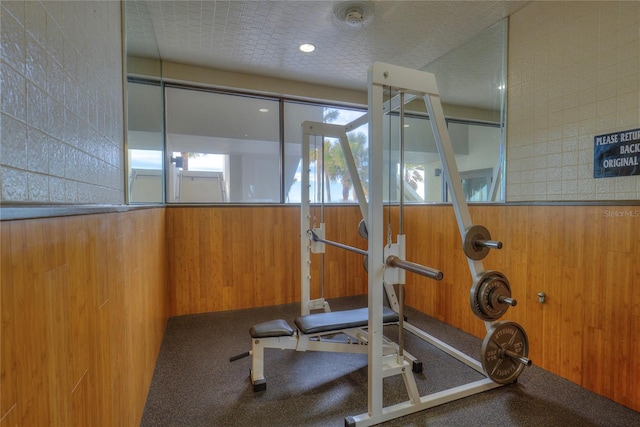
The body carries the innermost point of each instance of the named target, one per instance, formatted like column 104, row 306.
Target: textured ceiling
column 262, row 37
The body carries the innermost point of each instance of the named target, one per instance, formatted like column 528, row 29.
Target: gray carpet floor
column 195, row 384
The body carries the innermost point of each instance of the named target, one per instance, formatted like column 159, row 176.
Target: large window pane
column 334, row 185
column 225, row 147
column 145, row 142
column 477, row 149
column 480, row 165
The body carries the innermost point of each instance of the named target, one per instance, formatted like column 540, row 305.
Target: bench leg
column 257, row 356
column 257, row 366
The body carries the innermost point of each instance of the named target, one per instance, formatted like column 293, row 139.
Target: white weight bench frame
column 317, row 332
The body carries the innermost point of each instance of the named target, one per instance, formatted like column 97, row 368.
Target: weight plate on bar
column 362, row 229
column 487, row 295
column 504, row 352
column 473, row 234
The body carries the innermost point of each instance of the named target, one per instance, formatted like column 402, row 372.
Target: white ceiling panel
column 262, row 37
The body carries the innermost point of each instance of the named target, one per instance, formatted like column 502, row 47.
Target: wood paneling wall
column 226, row 258
column 83, row 309
column 585, row 258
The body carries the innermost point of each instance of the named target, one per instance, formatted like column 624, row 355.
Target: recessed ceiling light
column 307, row 47
column 263, row 110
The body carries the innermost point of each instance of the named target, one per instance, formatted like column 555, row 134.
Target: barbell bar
column 432, row 273
column 313, row 236
column 391, row 261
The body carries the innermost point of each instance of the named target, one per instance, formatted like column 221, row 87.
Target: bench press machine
column 314, row 332
column 504, row 349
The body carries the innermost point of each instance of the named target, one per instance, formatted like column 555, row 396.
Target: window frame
column 282, row 101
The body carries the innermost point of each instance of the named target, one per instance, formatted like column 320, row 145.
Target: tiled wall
column 61, row 112
column 573, row 72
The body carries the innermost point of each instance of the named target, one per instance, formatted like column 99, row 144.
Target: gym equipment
column 491, row 296
column 432, row 273
column 410, row 84
column 504, row 352
column 314, row 237
column 317, row 233
column 505, row 348
column 477, row 242
column 339, row 331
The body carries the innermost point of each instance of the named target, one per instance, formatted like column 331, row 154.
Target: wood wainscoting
column 84, row 299
column 83, row 312
column 584, row 258
column 227, row 258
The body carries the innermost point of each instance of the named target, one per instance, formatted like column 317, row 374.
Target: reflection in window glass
column 145, row 142
column 476, row 147
column 225, row 147
column 334, row 185
column 480, row 166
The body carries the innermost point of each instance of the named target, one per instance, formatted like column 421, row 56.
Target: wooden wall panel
column 226, row 258
column 585, row 258
column 83, row 312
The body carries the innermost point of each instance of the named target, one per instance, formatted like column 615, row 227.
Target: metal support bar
column 313, row 236
column 432, row 273
column 375, row 267
column 450, row 170
column 426, row 402
column 444, row 347
column 493, row 244
column 305, row 216
column 524, row 360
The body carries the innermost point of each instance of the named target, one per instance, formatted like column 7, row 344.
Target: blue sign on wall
column 616, row 154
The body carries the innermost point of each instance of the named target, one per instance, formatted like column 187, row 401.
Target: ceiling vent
column 354, row 14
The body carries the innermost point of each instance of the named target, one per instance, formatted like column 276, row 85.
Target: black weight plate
column 473, row 234
column 484, row 295
column 502, row 336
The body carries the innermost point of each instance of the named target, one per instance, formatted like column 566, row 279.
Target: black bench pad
column 272, row 328
column 336, row 320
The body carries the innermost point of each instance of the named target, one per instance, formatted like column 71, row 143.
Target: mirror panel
column 471, row 80
column 145, row 108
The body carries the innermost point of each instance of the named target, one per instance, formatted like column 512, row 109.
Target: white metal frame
column 415, row 84
column 411, row 84
column 353, row 340
column 309, row 130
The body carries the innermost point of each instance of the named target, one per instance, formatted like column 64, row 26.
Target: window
column 225, row 147
column 477, row 146
column 482, row 165
column 335, row 185
column 236, row 148
column 145, row 142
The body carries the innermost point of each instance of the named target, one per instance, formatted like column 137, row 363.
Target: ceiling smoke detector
column 354, row 14
column 354, row 17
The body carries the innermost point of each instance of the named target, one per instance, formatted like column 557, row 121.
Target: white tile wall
column 61, row 102
column 573, row 72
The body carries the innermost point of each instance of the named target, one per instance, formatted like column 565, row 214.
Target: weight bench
column 315, row 332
